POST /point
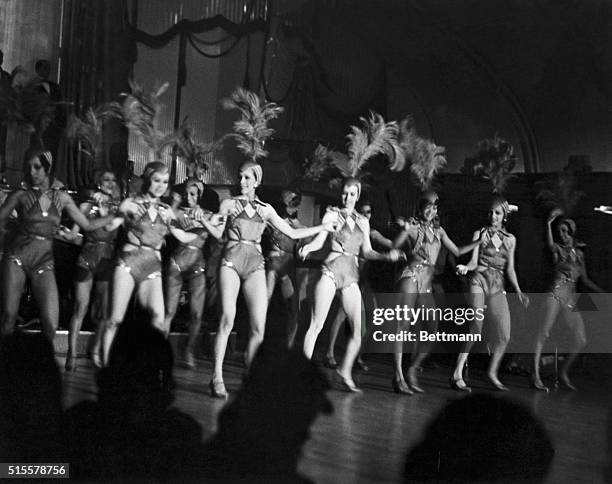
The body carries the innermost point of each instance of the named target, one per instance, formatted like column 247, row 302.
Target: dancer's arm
column 296, row 233
column 463, row 269
column 381, row 240
column 584, row 277
column 317, row 243
column 366, row 247
column 550, row 241
column 512, row 273
column 79, row 218
column 457, row 251
column 408, row 230
column 7, row 208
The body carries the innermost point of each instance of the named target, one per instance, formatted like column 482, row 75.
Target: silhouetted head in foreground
column 262, row 431
column 481, row 438
column 30, row 399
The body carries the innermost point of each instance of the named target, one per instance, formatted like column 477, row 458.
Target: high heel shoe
column 538, row 385
column 459, row 385
column 400, row 387
column 190, row 361
column 71, row 364
column 347, row 385
column 217, row 389
column 413, row 382
column 330, row 362
column 567, row 384
column 499, row 386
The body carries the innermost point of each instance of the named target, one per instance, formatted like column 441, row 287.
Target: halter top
column 148, row 233
column 100, row 234
column 491, row 256
column 186, row 223
column 569, row 263
column 249, row 224
column 426, row 245
column 33, row 221
column 349, row 237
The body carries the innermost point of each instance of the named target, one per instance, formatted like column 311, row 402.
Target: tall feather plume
column 374, row 137
column 88, row 130
column 561, row 194
column 425, row 157
column 495, row 160
column 27, row 107
column 251, row 131
column 141, row 111
column 192, row 151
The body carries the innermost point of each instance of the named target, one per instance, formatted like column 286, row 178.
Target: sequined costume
column 32, row 246
column 187, row 261
column 140, row 256
column 568, row 268
column 422, row 254
column 281, row 256
column 96, row 257
column 243, row 231
column 342, row 265
column 493, row 253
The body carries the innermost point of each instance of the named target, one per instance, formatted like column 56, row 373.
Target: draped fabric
column 96, row 60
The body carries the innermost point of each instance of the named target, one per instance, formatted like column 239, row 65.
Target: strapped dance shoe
column 538, row 385
column 413, row 382
column 458, row 385
column 330, row 362
column 400, row 387
column 217, row 389
column 347, row 385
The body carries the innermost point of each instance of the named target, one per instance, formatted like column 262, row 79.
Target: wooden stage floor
column 366, row 438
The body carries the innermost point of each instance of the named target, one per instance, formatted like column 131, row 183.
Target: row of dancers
column 136, row 267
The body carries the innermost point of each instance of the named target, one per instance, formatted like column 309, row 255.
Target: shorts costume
column 32, row 247
column 242, row 251
column 568, row 268
column 96, row 257
column 422, row 255
column 341, row 265
column 492, row 261
column 187, row 261
column 281, row 257
column 146, row 235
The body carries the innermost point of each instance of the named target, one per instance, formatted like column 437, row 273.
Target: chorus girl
column 569, row 268
column 29, row 252
column 244, row 219
column 492, row 260
column 340, row 273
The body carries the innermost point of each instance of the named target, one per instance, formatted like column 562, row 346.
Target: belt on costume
column 256, row 243
column 142, row 246
column 343, row 252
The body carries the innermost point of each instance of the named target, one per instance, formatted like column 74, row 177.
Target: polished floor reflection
column 368, row 435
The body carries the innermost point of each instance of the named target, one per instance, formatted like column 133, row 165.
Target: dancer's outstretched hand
column 524, row 298
column 304, row 251
column 462, row 269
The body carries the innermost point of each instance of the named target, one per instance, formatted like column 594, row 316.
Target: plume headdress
column 374, row 136
column 425, row 158
column 88, row 131
column 192, row 151
column 561, row 194
column 251, row 131
column 140, row 111
column 495, row 160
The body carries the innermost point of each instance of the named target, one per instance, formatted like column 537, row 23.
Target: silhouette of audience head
column 262, row 431
column 481, row 438
column 137, row 384
column 30, row 398
column 43, row 68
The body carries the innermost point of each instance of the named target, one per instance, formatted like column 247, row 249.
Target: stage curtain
column 97, row 58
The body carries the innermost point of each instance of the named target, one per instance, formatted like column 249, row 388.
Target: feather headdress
column 192, row 151
column 28, row 107
column 562, row 193
column 424, row 156
column 495, row 160
column 140, row 111
column 89, row 130
column 251, row 131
